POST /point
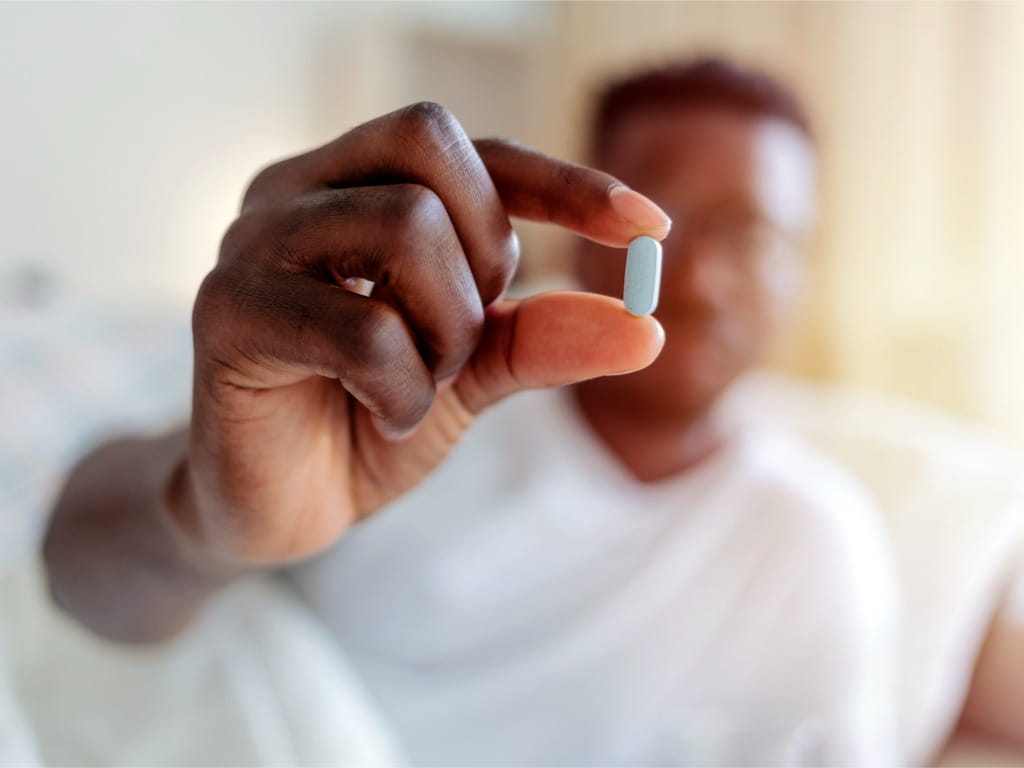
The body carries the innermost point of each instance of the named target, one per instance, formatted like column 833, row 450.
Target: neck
column 651, row 449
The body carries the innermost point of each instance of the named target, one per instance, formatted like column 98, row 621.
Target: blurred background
column 131, row 130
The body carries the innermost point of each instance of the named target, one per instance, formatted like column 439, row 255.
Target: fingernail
column 639, row 211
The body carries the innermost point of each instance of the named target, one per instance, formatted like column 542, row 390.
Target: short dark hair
column 705, row 81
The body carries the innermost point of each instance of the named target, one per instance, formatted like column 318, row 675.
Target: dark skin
column 732, row 267
column 313, row 405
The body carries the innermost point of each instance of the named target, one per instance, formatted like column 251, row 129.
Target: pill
column 643, row 276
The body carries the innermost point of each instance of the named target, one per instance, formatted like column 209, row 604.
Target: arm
column 313, row 405
column 995, row 701
column 113, row 553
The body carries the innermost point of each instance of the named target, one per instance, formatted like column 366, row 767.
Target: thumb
column 554, row 339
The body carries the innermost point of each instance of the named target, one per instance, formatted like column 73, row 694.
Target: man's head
column 727, row 154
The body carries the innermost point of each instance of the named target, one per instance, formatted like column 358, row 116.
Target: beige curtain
column 919, row 108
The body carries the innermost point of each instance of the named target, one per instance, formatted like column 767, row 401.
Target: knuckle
column 464, row 339
column 427, row 113
column 378, row 338
column 420, row 400
column 568, row 175
column 381, row 347
column 214, row 288
column 229, row 300
column 260, row 237
column 502, row 268
column 238, row 237
column 324, row 204
column 409, row 403
column 428, row 121
column 266, row 182
column 456, row 329
column 413, row 212
column 472, row 319
column 217, row 293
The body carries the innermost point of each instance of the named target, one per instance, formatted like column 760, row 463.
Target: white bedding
column 255, row 682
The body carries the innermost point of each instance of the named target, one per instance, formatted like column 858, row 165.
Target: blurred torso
column 532, row 603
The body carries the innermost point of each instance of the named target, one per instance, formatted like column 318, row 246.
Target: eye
column 740, row 232
column 746, row 237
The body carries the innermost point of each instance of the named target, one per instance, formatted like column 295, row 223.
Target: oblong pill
column 643, row 276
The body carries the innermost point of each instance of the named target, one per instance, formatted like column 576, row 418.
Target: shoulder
column 830, row 528
column 807, row 490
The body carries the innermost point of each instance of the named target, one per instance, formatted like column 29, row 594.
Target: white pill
column 643, row 276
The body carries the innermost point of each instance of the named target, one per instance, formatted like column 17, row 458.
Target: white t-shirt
column 531, row 603
column 951, row 500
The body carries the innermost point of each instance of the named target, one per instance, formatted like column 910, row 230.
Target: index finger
column 424, row 143
column 587, row 201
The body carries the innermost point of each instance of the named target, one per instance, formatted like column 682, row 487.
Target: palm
column 308, row 461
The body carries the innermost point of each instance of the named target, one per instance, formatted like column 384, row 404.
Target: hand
column 315, row 405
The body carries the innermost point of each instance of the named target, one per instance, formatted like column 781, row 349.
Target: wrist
column 182, row 514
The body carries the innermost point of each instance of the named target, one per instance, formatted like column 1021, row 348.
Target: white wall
column 129, row 130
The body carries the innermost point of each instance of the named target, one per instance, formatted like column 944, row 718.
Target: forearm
column 116, row 558
column 995, row 701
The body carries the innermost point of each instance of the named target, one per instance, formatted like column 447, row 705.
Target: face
column 740, row 192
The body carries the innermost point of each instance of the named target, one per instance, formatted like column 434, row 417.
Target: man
column 616, row 573
column 739, row 587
